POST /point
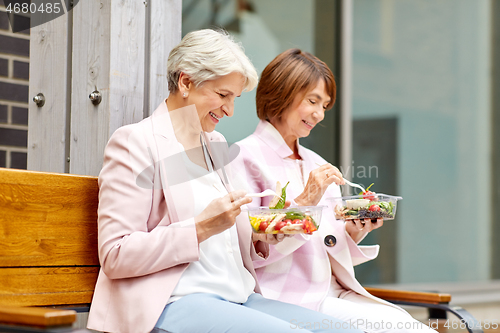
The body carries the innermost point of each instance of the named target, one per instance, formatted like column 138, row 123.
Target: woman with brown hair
column 315, row 271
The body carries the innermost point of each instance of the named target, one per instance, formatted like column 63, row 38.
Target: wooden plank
column 23, row 177
column 108, row 55
column 411, row 296
column 48, row 75
column 127, row 43
column 44, row 223
column 165, row 33
column 89, row 123
column 44, row 286
column 36, row 316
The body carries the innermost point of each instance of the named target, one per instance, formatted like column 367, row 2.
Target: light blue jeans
column 199, row 313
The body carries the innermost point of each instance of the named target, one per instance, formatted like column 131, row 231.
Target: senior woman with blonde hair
column 175, row 254
column 315, row 271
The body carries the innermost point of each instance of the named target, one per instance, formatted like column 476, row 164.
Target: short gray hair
column 207, row 55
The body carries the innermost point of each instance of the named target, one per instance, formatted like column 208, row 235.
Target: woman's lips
column 214, row 117
column 308, row 125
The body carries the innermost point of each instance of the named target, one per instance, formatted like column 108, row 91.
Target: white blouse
column 220, row 269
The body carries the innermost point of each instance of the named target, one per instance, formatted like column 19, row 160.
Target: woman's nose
column 228, row 109
column 319, row 115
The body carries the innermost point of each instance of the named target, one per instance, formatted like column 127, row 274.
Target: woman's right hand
column 220, row 214
column 317, row 183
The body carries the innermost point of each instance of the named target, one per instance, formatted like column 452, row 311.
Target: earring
column 184, row 95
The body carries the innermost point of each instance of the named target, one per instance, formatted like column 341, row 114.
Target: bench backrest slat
column 48, row 238
column 47, row 286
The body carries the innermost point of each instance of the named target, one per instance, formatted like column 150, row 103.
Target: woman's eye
column 312, row 102
column 222, row 95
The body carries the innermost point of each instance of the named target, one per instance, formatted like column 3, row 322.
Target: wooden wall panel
column 165, row 34
column 90, row 71
column 108, row 56
column 127, row 43
column 48, row 75
column 119, row 48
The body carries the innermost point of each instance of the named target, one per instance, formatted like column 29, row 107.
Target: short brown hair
column 289, row 74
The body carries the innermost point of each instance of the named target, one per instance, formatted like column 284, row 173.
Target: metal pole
column 346, row 86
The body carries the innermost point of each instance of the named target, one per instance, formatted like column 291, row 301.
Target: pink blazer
column 298, row 270
column 143, row 246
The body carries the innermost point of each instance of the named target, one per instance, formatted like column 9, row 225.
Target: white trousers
column 369, row 315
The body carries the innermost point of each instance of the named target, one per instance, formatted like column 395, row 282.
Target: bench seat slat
column 36, row 316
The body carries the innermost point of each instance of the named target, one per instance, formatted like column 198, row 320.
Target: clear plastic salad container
column 294, row 220
column 372, row 206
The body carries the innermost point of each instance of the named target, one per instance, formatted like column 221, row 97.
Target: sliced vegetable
column 263, row 226
column 281, row 201
column 255, row 222
column 368, row 194
column 309, row 226
column 280, row 225
column 294, row 215
column 356, row 203
column 276, row 199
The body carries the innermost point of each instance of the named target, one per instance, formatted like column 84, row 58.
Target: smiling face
column 306, row 111
column 214, row 99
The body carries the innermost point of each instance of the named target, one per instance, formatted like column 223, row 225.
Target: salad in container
column 276, row 219
column 296, row 220
column 366, row 205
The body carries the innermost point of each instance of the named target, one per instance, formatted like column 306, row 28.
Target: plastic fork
column 265, row 193
column 354, row 185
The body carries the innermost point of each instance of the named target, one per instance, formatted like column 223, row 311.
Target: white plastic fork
column 354, row 185
column 265, row 193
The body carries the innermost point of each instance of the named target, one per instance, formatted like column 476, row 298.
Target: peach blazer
column 143, row 246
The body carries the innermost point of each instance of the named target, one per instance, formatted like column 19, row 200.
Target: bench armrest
column 410, row 296
column 40, row 317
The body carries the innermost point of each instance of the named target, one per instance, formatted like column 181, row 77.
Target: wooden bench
column 48, row 253
column 48, row 247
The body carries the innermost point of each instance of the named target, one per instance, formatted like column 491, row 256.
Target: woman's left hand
column 268, row 238
column 358, row 229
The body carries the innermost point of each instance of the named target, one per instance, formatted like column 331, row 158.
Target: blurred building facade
column 423, row 118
